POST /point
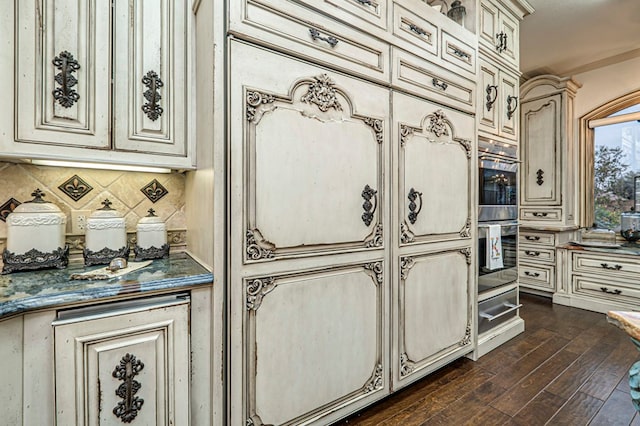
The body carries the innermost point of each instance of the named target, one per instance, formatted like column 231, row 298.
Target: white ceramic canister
column 36, row 224
column 106, row 236
column 151, row 238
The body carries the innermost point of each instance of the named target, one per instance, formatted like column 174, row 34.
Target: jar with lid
column 151, row 233
column 35, row 236
column 106, row 236
column 630, row 225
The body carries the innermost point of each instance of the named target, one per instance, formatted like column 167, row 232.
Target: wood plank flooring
column 570, row 367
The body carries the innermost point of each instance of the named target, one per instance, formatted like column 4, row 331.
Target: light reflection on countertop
column 52, row 288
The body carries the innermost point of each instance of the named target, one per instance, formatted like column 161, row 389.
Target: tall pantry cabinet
column 351, row 181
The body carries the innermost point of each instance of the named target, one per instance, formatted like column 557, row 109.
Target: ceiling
column 566, row 37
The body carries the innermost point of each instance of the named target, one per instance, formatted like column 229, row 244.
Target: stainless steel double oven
column 497, row 205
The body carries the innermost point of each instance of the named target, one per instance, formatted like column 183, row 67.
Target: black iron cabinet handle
column 510, row 109
column 492, row 95
column 414, row 209
column 315, row 35
column 369, row 194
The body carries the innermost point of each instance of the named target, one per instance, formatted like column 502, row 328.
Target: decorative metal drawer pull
column 532, row 253
column 439, row 83
column 65, row 95
column 532, row 274
column 530, row 238
column 510, row 109
column 461, row 54
column 540, row 177
column 614, row 267
column 416, row 29
column 606, row 290
column 369, row 193
column 128, row 368
column 539, row 214
column 492, row 95
column 153, row 84
column 413, row 213
column 315, row 35
column 366, row 2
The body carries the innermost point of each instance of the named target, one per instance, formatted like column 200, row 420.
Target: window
column 610, row 157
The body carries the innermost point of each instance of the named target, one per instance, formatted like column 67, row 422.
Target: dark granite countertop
column 52, row 288
column 632, row 249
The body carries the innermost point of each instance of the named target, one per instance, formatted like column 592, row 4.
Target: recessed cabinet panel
column 62, row 72
column 540, row 139
column 434, row 302
column 314, row 342
column 130, row 368
column 510, row 113
column 150, row 94
column 435, row 169
column 489, row 90
column 313, row 161
column 488, row 24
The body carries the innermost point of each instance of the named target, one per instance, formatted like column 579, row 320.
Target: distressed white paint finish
column 87, row 353
column 434, row 304
column 432, row 161
column 317, row 339
column 11, row 353
column 152, row 36
column 371, row 15
column 45, row 29
column 496, row 18
column 494, row 119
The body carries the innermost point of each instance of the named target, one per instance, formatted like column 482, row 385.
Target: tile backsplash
column 132, row 194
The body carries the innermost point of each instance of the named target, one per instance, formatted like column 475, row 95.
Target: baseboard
column 493, row 338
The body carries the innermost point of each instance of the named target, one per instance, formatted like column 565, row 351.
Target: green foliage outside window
column 613, row 187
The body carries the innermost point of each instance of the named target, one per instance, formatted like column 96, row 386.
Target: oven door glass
column 498, row 187
column 490, row 279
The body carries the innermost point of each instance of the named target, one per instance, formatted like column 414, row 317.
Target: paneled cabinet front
column 107, row 75
column 131, row 368
column 308, row 211
column 499, row 33
column 499, row 91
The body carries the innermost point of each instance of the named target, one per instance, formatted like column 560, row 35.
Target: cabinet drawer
column 603, row 264
column 537, row 238
column 537, row 275
column 411, row 28
column 424, row 78
column 541, row 215
column 497, row 310
column 369, row 15
column 536, row 253
column 458, row 53
column 292, row 28
column 605, row 289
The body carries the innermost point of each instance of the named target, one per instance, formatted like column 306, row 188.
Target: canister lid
column 37, row 205
column 150, row 218
column 106, row 212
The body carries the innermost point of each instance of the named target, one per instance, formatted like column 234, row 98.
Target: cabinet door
column 434, row 149
column 541, row 140
column 131, row 368
column 489, row 25
column 491, row 102
column 63, row 75
column 434, row 319
column 151, row 83
column 310, row 174
column 509, row 98
column 510, row 46
column 314, row 342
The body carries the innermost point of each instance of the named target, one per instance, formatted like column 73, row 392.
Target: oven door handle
column 511, row 307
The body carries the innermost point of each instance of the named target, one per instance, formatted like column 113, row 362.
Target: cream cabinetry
column 499, row 30
column 117, row 367
column 537, row 259
column 600, row 280
column 500, row 117
column 549, row 174
column 103, row 81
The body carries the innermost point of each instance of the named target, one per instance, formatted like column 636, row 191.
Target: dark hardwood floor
column 570, row 367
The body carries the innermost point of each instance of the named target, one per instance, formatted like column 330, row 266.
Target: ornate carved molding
column 254, row 100
column 257, row 247
column 34, row 259
column 377, row 239
column 128, row 368
column 438, row 124
column 377, row 269
column 465, row 232
column 405, row 133
column 406, row 263
column 406, row 366
column 257, row 289
column 376, row 382
column 467, row 254
column 377, row 127
column 467, row 335
column 406, row 236
column 466, row 144
column 323, row 93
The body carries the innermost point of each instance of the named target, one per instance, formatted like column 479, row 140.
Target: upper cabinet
column 548, row 175
column 499, row 106
column 103, row 75
column 499, row 32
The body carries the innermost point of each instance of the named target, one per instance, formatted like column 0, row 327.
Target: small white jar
column 151, row 234
column 35, row 228
column 106, row 236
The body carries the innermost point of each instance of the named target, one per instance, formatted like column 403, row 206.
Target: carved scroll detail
column 377, row 269
column 257, row 289
column 406, row 366
column 376, row 382
column 322, row 92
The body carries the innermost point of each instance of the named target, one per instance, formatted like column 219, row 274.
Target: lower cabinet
column 123, row 366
